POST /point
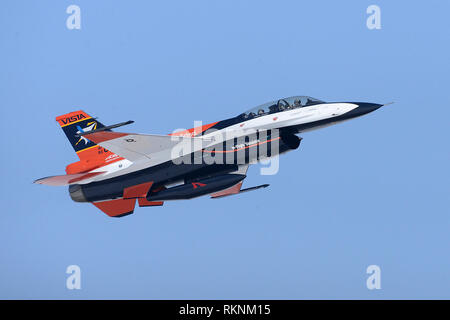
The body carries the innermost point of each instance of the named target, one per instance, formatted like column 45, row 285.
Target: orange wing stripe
column 193, row 131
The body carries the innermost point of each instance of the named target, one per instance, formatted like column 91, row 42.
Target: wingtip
column 386, row 104
column 39, row 181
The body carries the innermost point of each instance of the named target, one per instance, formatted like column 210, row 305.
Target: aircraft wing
column 134, row 146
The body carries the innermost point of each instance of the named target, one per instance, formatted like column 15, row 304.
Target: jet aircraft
column 118, row 169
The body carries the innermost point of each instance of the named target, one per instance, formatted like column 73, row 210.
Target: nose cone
column 362, row 109
column 368, row 107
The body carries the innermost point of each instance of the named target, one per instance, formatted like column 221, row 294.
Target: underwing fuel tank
column 197, row 188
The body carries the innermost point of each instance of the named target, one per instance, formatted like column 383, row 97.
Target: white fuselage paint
column 292, row 117
column 277, row 120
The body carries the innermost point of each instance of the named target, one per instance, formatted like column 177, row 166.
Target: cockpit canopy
column 280, row 105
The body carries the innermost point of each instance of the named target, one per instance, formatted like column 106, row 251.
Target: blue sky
column 374, row 190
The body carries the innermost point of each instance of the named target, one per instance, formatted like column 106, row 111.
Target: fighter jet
column 118, row 169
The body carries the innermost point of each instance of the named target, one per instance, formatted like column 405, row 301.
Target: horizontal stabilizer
column 66, row 179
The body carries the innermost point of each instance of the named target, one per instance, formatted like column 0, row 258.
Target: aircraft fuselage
column 241, row 140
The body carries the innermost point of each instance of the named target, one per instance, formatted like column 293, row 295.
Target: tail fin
column 77, row 122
